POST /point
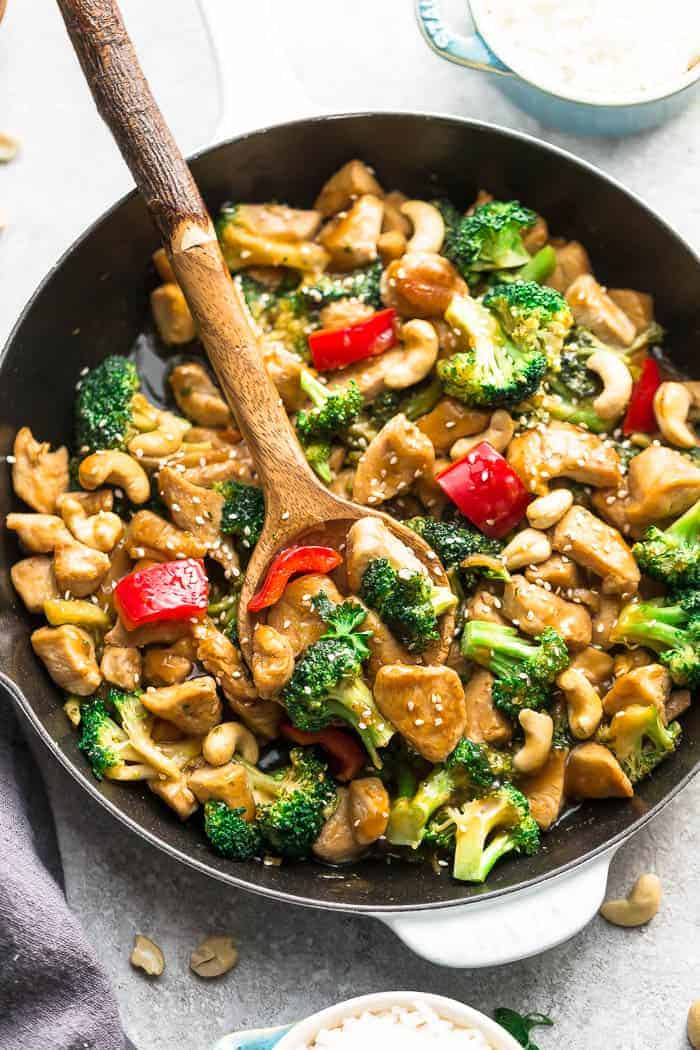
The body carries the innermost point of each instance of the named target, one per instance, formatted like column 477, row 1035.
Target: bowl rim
column 92, row 786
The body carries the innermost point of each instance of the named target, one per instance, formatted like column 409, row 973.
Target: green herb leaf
column 520, row 1025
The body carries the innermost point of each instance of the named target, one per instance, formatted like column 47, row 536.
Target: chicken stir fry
column 466, row 374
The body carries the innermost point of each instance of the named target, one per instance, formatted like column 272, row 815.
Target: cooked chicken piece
column 394, row 459
column 677, row 704
column 421, row 284
column 536, row 236
column 121, row 666
column 662, row 484
column 593, row 308
column 429, row 492
column 644, row 685
column 152, row 634
column 68, row 653
column 484, row 605
column 629, row 659
column 532, row 608
column 544, row 789
column 294, row 615
column 89, row 517
column 353, row 180
column 342, row 483
column 425, row 704
column 599, row 547
column 227, row 784
column 605, row 619
column 284, row 368
column 193, row 706
column 572, row 262
column 344, row 312
column 197, row 397
column 383, row 647
column 39, row 475
column 563, row 450
column 120, row 565
column 177, row 794
column 34, row 581
column 449, row 421
column 79, row 569
column 163, row 265
column 558, row 571
column 273, row 660
column 351, row 237
column 172, row 315
column 368, row 374
column 336, row 843
column 39, row 533
column 394, row 219
column 221, row 465
column 369, row 538
column 151, row 536
column 369, row 809
column 216, row 437
column 278, row 222
column 638, row 306
column 197, row 511
column 593, row 772
column 485, row 723
column 596, row 665
column 170, row 665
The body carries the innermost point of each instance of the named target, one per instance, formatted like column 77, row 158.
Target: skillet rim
column 23, row 704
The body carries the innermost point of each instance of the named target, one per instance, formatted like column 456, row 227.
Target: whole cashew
column 546, row 511
column 498, row 433
column 585, row 708
column 672, row 404
column 115, row 468
column 414, row 360
column 641, row 904
column 101, row 530
column 227, row 739
column 539, row 730
column 428, row 226
column 694, row 1025
column 529, row 547
column 164, row 440
column 613, row 399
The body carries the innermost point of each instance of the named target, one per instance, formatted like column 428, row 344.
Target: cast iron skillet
column 95, row 303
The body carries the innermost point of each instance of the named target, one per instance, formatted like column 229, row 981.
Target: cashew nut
column 672, row 404
column 641, row 904
column 539, row 730
column 415, row 359
column 101, row 529
column 546, row 511
column 529, row 547
column 164, row 440
column 694, row 1025
column 498, row 433
column 613, row 399
column 584, row 706
column 225, row 740
column 115, row 468
column 428, row 226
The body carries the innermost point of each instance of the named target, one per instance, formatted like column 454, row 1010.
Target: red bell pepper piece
column 337, row 347
column 175, row 590
column 288, row 563
column 486, row 489
column 640, row 416
column 346, row 754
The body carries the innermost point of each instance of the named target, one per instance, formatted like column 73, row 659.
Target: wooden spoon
column 297, row 505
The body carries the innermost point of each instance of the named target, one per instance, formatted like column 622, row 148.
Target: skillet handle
column 505, row 930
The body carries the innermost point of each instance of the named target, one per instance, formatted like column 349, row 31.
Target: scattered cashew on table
column 639, row 907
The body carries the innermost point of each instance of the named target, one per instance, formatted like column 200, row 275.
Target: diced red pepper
column 175, row 590
column 338, row 347
column 346, row 754
column 640, row 416
column 288, row 563
column 486, row 489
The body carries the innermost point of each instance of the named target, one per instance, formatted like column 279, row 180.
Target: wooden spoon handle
column 127, row 106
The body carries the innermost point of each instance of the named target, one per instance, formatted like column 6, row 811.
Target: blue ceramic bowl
column 567, row 114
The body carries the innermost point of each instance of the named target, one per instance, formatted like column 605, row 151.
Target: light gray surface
column 626, row 990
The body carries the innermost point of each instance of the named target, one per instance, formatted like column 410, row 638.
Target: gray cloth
column 53, row 994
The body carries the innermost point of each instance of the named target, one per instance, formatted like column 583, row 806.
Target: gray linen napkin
column 53, row 994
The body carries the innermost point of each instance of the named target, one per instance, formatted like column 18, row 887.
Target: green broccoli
column 488, row 239
column 258, row 297
column 535, row 318
column 105, row 745
column 639, row 739
column 492, row 371
column 421, row 399
column 361, row 285
column 407, row 602
column 673, row 554
column 524, row 670
column 334, row 411
column 223, row 609
column 671, row 629
column 243, row 512
column 137, row 723
column 482, row 765
column 109, row 408
column 453, row 542
column 541, row 266
column 485, row 830
column 229, row 834
column 572, row 389
column 327, row 680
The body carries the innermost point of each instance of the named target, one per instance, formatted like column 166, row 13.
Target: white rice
column 399, row 1028
column 596, row 50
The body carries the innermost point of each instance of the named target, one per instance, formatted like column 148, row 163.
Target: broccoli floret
column 334, row 411
column 453, row 542
column 541, row 266
column 327, row 683
column 102, row 741
column 639, row 739
column 243, row 512
column 137, row 723
column 488, row 239
column 572, row 389
column 223, row 609
column 409, row 815
column 673, row 554
column 383, row 408
column 258, row 297
column 229, row 834
column 407, row 602
column 485, row 830
column 534, row 317
column 671, row 629
column 421, row 399
column 104, row 407
column 492, row 371
column 361, row 285
column 481, row 764
column 524, row 670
